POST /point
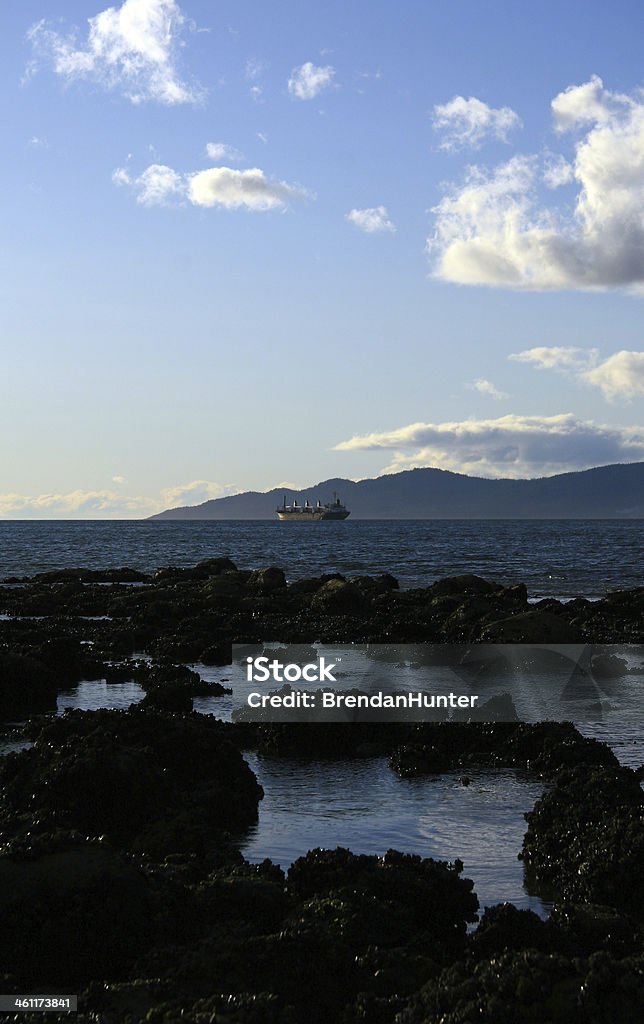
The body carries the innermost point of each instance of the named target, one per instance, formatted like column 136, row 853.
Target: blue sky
column 252, row 243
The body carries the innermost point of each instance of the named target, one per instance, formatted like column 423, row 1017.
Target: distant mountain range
column 607, row 492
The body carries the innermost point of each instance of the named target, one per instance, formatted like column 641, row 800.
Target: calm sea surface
column 563, row 558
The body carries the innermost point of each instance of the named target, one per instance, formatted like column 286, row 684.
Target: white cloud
column 156, row 186
column 557, row 172
column 567, row 358
column 223, row 186
column 620, row 374
column 510, row 446
column 132, row 48
column 371, row 220
column 486, row 387
column 469, row 122
column 308, row 80
column 587, row 104
column 255, row 69
column 74, row 504
column 194, row 493
column 494, row 230
column 217, row 186
column 108, row 504
column 219, row 151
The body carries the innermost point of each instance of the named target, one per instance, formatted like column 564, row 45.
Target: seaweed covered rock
column 71, row 911
column 152, row 782
column 530, row 987
column 27, row 687
column 338, row 597
column 388, row 901
column 585, row 838
column 543, row 747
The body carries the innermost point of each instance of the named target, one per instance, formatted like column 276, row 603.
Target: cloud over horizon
column 226, row 187
column 107, row 503
column 494, row 228
column 469, row 122
column 511, row 446
column 132, row 48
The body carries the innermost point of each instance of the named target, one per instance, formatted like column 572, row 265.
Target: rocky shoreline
column 120, row 877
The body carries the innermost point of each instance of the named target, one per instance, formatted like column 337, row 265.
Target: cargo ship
column 308, row 513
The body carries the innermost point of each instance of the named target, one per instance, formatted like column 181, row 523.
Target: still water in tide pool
column 364, row 806
column 367, row 808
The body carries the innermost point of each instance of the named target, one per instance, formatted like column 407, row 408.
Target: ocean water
column 560, row 558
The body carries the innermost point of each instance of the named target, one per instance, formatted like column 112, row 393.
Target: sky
column 251, row 244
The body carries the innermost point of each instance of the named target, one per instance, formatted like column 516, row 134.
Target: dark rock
column 465, row 584
column 267, row 581
column 336, row 597
column 585, row 839
column 530, row 987
column 27, row 687
column 71, row 912
column 151, row 782
column 533, row 627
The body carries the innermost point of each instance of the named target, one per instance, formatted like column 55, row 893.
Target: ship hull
column 310, row 517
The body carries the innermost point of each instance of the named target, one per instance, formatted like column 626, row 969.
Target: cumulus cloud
column 567, row 358
column 308, row 80
column 557, row 171
column 194, row 493
column 510, row 446
column 218, row 151
column 469, row 122
column 108, row 504
column 157, row 185
column 371, row 220
column 132, row 48
column 486, row 387
column 493, row 228
column 225, row 187
column 74, row 504
column 620, row 374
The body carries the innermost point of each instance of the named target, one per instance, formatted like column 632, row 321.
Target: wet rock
column 527, row 987
column 152, row 782
column 583, row 929
column 465, row 584
column 388, row 900
column 533, row 627
column 609, row 666
column 27, row 687
column 336, row 597
column 267, row 581
column 504, row 927
column 585, row 839
column 71, row 912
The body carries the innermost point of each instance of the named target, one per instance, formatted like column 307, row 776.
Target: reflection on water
column 365, row 807
column 91, row 696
